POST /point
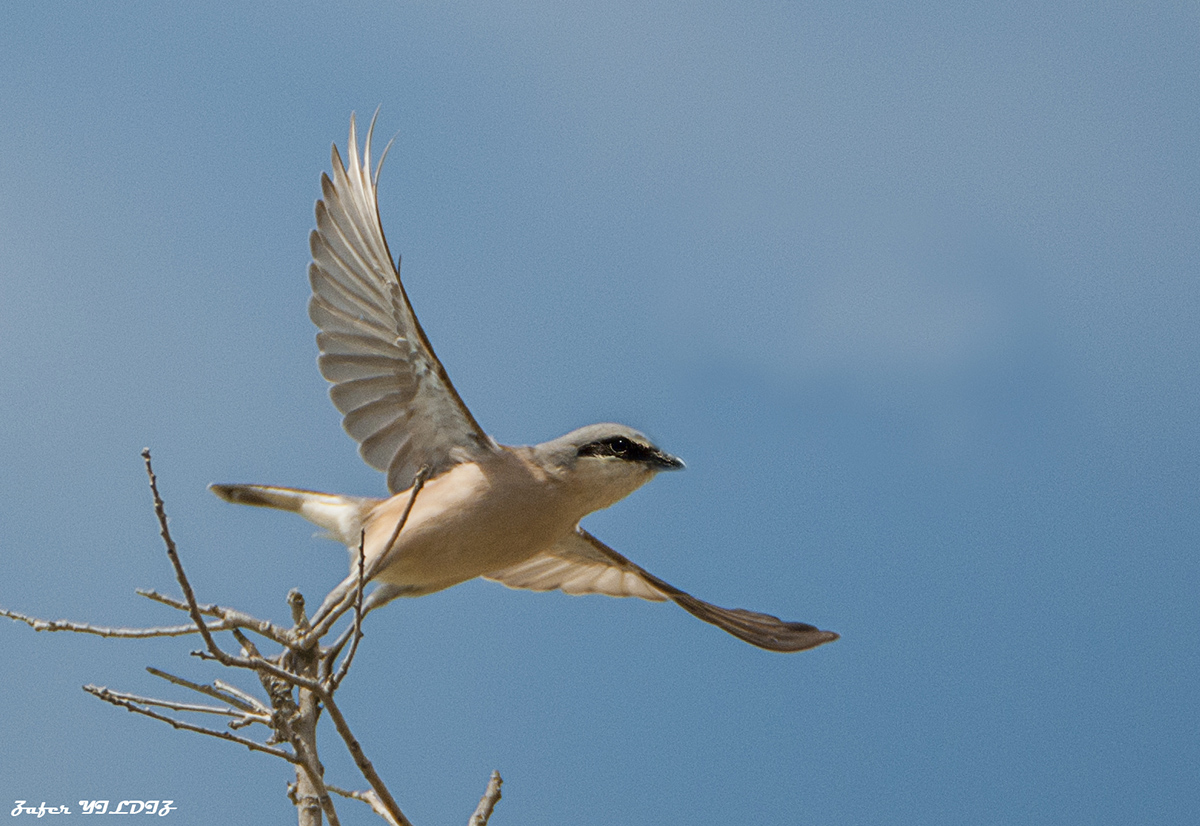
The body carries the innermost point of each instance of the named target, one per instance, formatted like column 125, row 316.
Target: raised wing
column 396, row 399
column 582, row 564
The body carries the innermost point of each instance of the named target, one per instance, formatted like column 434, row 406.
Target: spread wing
column 582, row 564
column 396, row 399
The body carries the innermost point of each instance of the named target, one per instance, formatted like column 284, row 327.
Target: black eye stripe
column 619, row 447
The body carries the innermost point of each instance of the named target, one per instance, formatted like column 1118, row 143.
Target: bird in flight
column 507, row 514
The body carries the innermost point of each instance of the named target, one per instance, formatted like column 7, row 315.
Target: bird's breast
column 475, row 518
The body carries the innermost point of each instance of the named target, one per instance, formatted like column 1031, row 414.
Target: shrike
column 508, row 514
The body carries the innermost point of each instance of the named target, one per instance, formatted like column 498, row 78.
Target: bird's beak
column 665, row 461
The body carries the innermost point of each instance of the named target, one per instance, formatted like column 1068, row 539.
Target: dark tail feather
column 762, row 630
column 263, row 496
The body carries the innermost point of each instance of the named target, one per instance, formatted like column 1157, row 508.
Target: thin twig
column 418, row 483
column 371, row 799
column 332, row 651
column 255, row 662
column 488, row 802
column 174, row 706
column 110, row 697
column 193, row 609
column 248, row 647
column 246, row 697
column 101, row 631
column 214, row 651
column 173, row 555
column 258, row 663
column 360, row 759
column 337, row 678
column 221, row 691
column 231, row 617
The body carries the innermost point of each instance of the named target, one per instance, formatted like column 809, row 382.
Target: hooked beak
column 665, row 461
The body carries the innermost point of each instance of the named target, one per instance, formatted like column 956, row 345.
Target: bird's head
column 604, row 463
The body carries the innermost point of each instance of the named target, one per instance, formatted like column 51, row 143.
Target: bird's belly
column 464, row 524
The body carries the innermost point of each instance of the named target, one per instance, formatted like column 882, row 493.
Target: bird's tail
column 341, row 516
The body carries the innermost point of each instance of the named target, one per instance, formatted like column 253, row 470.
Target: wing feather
column 330, row 320
column 582, row 564
column 351, row 395
column 396, row 399
column 350, row 344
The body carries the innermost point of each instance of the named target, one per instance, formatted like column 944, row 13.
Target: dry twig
column 120, row 700
column 102, row 631
column 337, row 678
column 487, row 803
column 371, row 799
column 177, row 706
column 230, row 617
column 221, row 691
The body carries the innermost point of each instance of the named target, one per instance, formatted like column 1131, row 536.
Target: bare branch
column 360, row 759
column 173, row 555
column 331, row 653
column 418, row 483
column 214, row 650
column 299, row 681
column 174, row 706
column 118, row 700
column 236, row 692
column 337, row 678
column 255, row 662
column 312, row 768
column 221, row 691
column 490, row 798
column 232, row 618
column 248, row 647
column 299, row 618
column 371, row 799
column 102, row 631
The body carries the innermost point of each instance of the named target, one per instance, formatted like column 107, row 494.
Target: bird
column 469, row 507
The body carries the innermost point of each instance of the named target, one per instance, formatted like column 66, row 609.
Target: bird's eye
column 621, row 446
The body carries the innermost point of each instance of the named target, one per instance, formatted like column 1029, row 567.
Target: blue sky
column 912, row 290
